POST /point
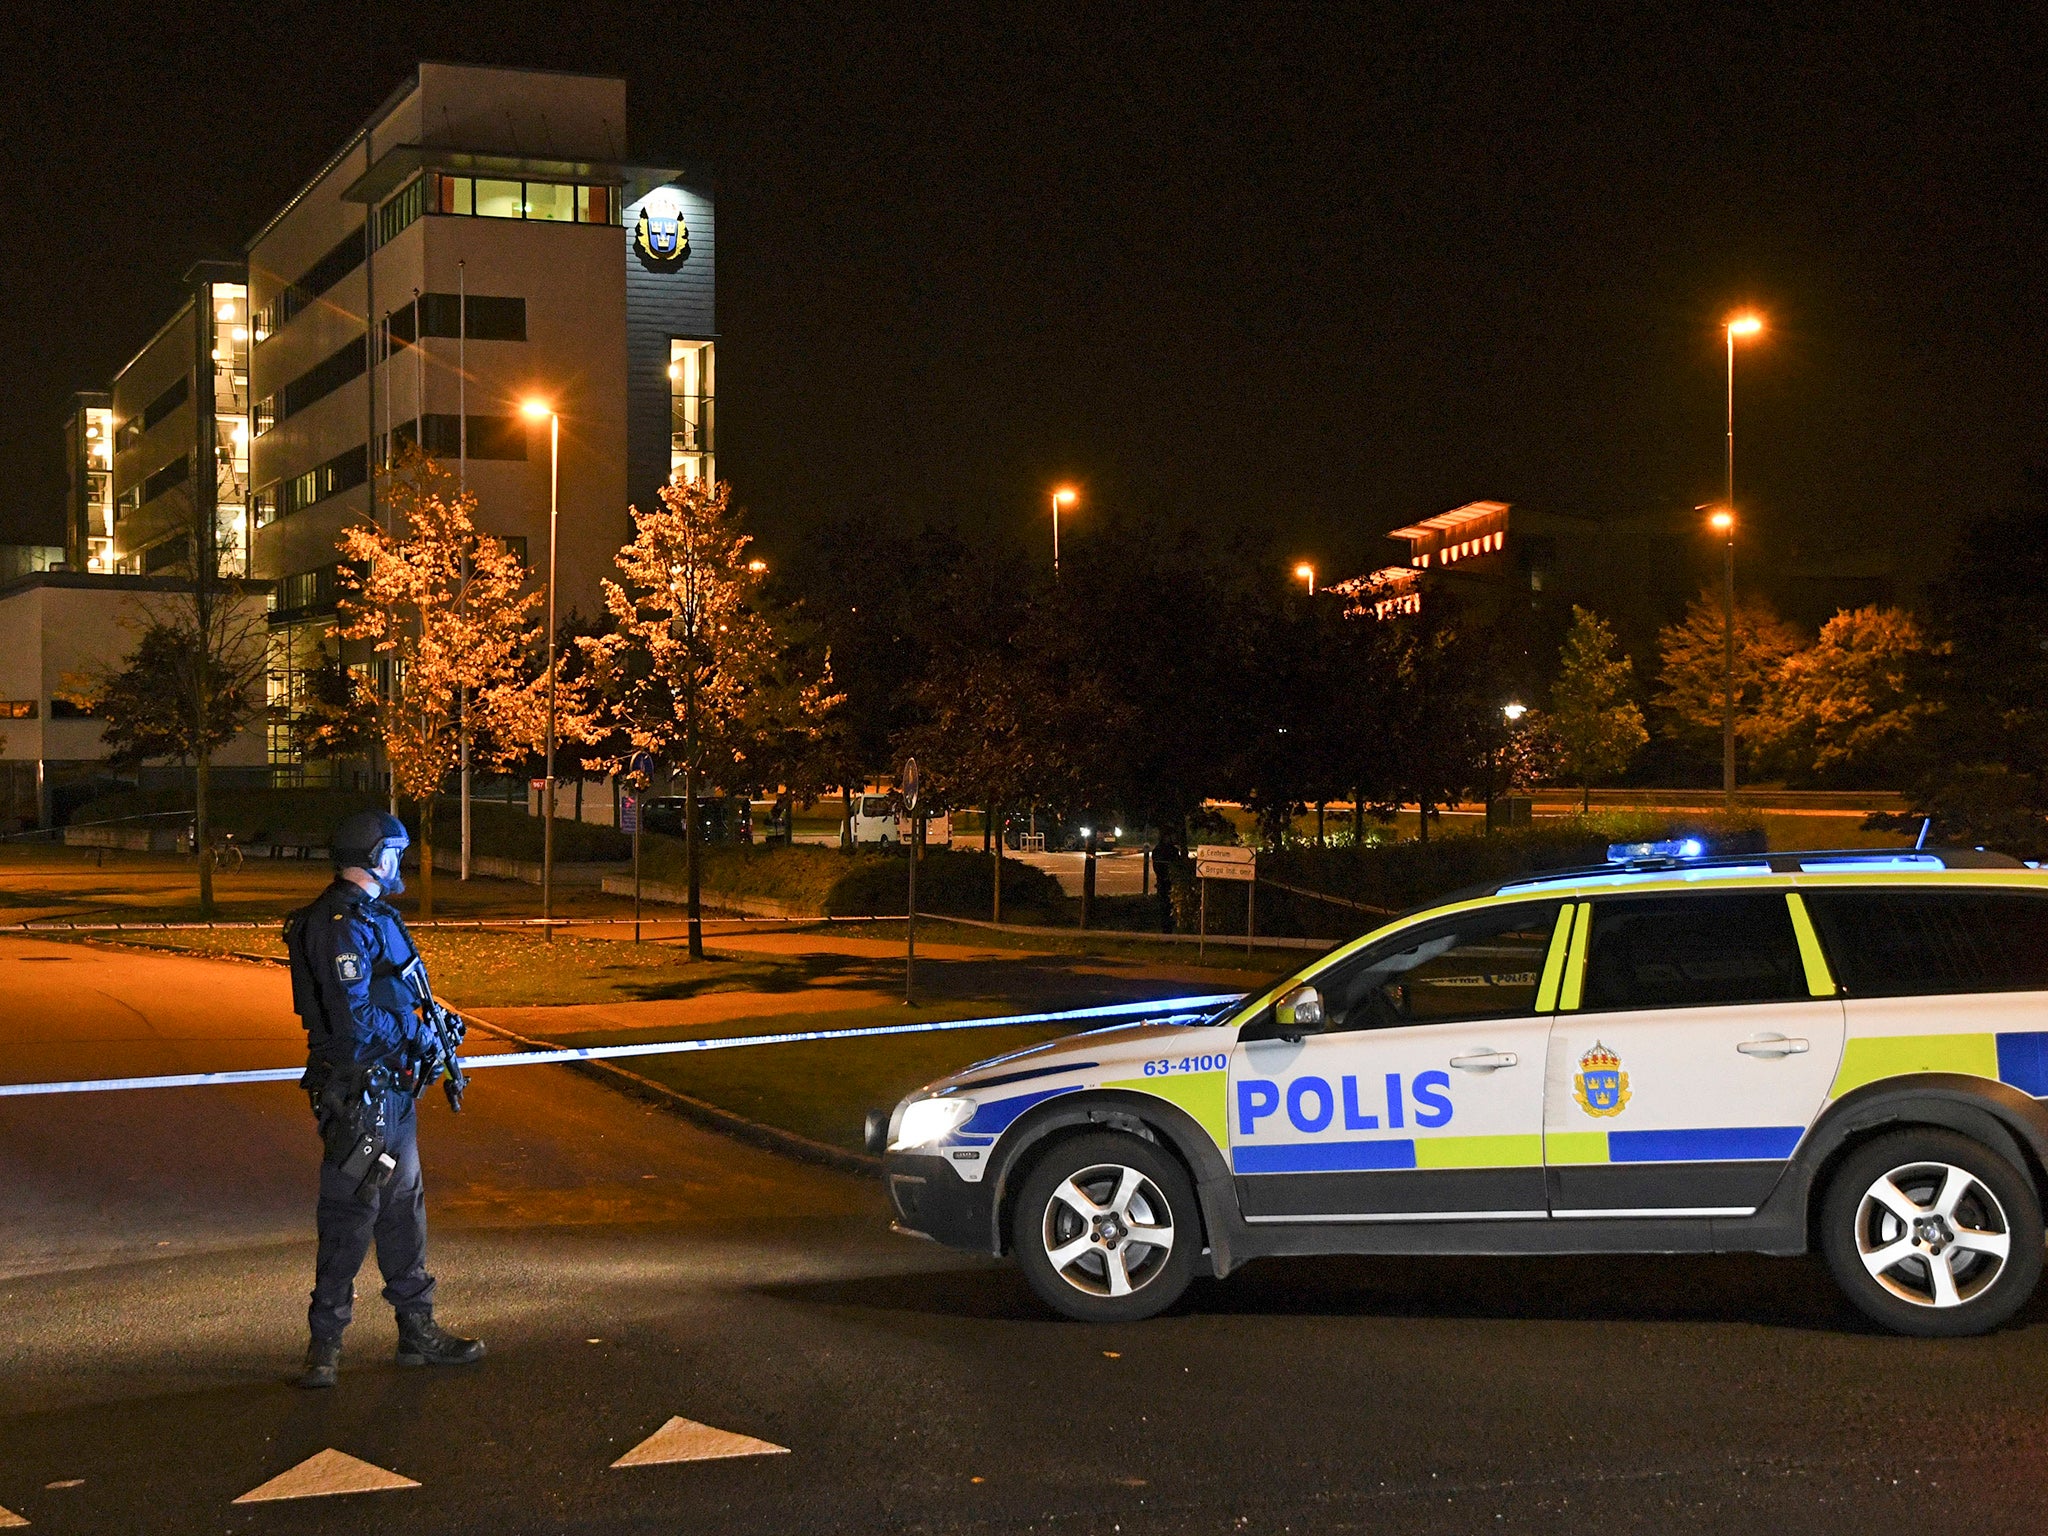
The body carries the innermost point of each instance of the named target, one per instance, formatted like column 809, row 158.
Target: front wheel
column 1106, row 1229
column 1933, row 1234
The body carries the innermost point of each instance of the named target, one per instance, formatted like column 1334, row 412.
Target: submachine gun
column 441, row 1038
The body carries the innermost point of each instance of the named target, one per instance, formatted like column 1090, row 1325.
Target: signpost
column 909, row 783
column 641, row 772
column 1222, row 861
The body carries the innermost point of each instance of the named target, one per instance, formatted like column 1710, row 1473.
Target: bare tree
column 195, row 679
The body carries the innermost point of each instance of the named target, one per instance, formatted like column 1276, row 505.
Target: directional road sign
column 1222, row 861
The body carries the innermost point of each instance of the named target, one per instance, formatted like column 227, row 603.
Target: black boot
column 422, row 1341
column 323, row 1363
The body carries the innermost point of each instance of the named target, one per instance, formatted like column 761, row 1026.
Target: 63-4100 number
column 1214, row 1063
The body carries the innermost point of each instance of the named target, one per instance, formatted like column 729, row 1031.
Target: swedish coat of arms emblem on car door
column 1601, row 1087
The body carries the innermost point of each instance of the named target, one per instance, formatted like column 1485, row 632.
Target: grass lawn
column 823, row 1089
column 482, row 970
column 1222, row 953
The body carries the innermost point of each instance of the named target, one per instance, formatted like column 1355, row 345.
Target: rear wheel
column 1106, row 1229
column 1933, row 1234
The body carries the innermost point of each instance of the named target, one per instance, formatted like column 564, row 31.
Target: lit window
column 692, row 374
column 550, row 201
column 498, row 199
column 595, row 205
column 454, row 194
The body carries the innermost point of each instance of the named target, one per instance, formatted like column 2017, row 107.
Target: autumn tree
column 1598, row 727
column 1692, row 677
column 699, row 668
column 450, row 607
column 1851, row 701
column 335, row 713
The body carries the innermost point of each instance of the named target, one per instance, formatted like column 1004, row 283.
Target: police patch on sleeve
column 349, row 967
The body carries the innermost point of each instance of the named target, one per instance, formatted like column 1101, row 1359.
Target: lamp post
column 1723, row 522
column 535, row 410
column 1496, row 776
column 1305, row 572
column 1063, row 497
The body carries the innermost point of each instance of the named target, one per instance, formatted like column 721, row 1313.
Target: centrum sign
column 1216, row 861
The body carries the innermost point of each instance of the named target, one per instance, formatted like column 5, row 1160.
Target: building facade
column 59, row 629
column 481, row 242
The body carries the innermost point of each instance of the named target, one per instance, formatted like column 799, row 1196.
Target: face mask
column 386, row 873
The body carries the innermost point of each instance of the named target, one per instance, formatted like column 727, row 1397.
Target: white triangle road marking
column 329, row 1472
column 10, row 1521
column 685, row 1440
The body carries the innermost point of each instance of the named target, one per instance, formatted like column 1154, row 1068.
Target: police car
column 1663, row 1054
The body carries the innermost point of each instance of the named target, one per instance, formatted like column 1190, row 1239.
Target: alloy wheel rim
column 1107, row 1230
column 1933, row 1234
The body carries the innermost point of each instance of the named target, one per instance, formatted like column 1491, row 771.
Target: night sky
column 1307, row 272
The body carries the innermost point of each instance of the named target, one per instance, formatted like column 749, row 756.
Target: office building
column 483, row 240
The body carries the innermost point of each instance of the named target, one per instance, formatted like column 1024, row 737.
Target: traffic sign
column 909, row 783
column 1223, row 861
column 642, row 766
column 629, row 813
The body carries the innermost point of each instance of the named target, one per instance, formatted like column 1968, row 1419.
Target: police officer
column 370, row 1056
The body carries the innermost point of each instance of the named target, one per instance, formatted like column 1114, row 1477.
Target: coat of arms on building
column 659, row 234
column 1601, row 1087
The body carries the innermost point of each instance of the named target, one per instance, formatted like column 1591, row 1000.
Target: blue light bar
column 1670, row 848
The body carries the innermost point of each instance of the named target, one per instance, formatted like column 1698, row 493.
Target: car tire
column 1087, row 1226
column 1932, row 1234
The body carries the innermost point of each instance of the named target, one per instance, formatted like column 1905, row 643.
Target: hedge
column 1397, row 876
column 829, row 882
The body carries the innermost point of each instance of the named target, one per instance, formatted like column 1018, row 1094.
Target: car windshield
column 875, row 805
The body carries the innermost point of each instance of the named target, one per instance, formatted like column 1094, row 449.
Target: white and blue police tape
column 1159, row 1011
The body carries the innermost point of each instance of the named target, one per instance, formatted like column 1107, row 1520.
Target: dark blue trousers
column 395, row 1218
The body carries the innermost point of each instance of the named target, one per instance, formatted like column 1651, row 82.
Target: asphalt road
column 626, row 1268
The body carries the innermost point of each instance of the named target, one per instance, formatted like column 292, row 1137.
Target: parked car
column 720, row 818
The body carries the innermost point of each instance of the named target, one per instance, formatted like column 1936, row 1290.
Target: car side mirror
column 1299, row 1012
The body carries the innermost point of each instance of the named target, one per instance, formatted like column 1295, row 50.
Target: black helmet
column 360, row 840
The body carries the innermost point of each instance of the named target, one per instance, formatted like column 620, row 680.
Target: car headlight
column 925, row 1121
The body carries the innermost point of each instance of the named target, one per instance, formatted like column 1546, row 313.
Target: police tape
column 1159, row 1011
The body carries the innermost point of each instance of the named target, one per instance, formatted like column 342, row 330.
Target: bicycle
column 228, row 855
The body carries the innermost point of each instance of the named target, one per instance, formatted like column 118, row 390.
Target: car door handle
column 1776, row 1045
column 1485, row 1061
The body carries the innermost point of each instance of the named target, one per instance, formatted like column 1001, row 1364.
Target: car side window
column 1694, row 950
column 1483, row 965
column 1912, row 943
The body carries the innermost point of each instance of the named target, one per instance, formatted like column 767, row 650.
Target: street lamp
column 1306, row 572
column 1063, row 497
column 1514, row 712
column 535, row 410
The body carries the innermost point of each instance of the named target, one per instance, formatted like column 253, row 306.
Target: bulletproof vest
column 306, row 1002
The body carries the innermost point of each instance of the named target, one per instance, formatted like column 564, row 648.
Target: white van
column 938, row 829
column 875, row 824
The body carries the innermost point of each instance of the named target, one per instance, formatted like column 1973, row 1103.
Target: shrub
column 1394, row 877
column 828, row 882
